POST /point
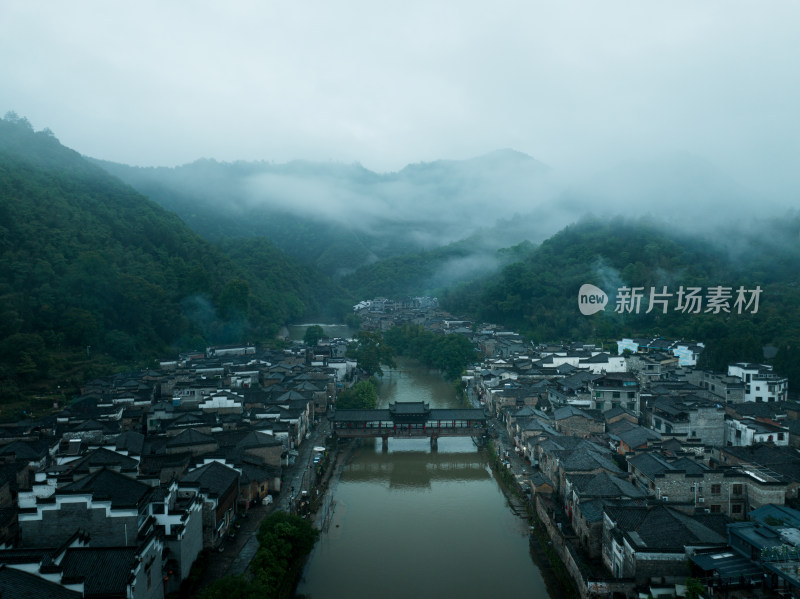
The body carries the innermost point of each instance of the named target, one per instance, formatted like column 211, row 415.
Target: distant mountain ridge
column 537, row 295
column 89, row 266
column 340, row 217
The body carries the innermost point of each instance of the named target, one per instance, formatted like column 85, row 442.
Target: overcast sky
column 386, row 83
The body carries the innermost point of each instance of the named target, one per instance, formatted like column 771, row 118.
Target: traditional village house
column 729, row 389
column 781, row 463
column 655, row 542
column 688, row 418
column 569, row 420
column 749, row 431
column 761, row 384
column 616, row 389
column 217, row 486
column 691, row 486
column 586, row 497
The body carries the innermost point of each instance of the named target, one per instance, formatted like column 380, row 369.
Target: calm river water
column 412, row 523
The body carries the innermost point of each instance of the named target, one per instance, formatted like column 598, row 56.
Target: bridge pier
column 385, row 444
column 434, row 443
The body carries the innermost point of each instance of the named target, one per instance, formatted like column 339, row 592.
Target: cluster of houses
column 646, row 469
column 643, row 467
column 118, row 493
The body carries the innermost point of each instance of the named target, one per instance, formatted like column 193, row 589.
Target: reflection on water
column 409, row 522
column 415, row 466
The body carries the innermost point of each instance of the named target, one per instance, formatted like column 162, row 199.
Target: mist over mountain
column 538, row 294
column 88, row 261
column 91, row 268
column 340, row 217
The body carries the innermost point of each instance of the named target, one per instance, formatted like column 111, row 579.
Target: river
column 414, row 523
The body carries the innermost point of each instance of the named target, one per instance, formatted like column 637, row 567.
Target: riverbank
column 407, row 509
column 557, row 579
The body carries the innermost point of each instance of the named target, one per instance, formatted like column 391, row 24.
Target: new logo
column 591, row 299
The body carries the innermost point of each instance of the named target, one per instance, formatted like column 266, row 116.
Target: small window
column 737, row 489
column 736, row 508
column 780, row 436
column 716, row 508
column 716, row 489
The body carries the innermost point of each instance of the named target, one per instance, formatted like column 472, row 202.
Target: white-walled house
column 749, row 431
column 760, row 383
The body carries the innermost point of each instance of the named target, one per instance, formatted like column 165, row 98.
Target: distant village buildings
column 637, row 462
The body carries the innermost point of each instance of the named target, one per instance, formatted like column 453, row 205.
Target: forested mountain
column 539, row 295
column 340, row 217
column 88, row 266
column 433, row 271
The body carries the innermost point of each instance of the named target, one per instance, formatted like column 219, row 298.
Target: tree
column 234, row 586
column 361, row 396
column 283, row 542
column 313, row 334
column 371, row 352
column 235, row 298
column 694, row 588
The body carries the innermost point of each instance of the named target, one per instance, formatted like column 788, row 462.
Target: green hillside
column 91, row 268
column 431, row 272
column 539, row 295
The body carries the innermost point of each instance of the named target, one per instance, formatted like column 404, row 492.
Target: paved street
column 238, row 550
column 497, row 430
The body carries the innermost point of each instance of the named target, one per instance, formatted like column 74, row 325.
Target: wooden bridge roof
column 384, row 415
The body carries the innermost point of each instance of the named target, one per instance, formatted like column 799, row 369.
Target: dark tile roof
column 26, row 450
column 562, row 443
column 660, row 528
column 638, row 436
column 783, row 460
column 614, row 412
column 619, row 427
column 16, row 584
column 457, row 414
column 650, row 464
column 568, row 412
column 592, row 510
column 689, row 466
column 190, row 437
column 360, row 415
column 409, row 407
column 213, row 478
column 603, row 485
column 121, row 490
column 585, row 459
column 130, row 441
column 253, row 439
column 153, row 464
column 105, row 571
column 600, row 358
column 107, row 428
column 257, row 473
column 104, row 458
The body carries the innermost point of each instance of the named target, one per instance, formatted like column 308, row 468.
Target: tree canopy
column 89, row 267
column 313, row 334
column 370, row 353
column 361, row 396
